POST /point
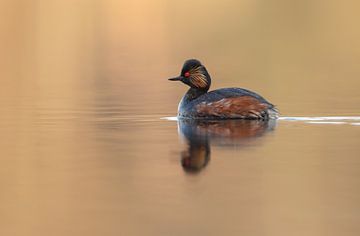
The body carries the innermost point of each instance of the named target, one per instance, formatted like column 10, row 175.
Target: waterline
column 321, row 120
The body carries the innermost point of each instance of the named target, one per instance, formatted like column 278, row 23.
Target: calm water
column 88, row 140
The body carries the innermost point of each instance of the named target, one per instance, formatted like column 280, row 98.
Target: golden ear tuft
column 197, row 78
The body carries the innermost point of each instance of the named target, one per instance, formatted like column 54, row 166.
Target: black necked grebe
column 226, row 103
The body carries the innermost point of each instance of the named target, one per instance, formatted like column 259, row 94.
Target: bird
column 225, row 103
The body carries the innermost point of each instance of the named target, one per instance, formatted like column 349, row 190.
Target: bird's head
column 195, row 75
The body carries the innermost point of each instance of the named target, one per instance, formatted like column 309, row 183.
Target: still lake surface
column 89, row 141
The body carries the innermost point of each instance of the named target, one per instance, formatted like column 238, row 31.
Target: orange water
column 84, row 149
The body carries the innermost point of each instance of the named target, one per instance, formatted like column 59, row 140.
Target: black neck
column 193, row 93
column 190, row 95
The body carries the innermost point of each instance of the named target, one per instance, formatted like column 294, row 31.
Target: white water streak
column 324, row 120
column 320, row 118
column 327, row 122
column 174, row 118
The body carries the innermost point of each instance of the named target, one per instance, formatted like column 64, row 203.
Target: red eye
column 187, row 74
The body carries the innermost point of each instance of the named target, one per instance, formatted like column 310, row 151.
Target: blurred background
column 303, row 56
column 83, row 88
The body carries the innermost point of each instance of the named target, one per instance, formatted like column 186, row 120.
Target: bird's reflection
column 201, row 134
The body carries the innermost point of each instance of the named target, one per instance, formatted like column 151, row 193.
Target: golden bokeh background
column 83, row 86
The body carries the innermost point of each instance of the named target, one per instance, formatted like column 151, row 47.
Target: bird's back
column 229, row 103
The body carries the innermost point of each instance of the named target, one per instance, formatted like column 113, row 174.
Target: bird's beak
column 179, row 78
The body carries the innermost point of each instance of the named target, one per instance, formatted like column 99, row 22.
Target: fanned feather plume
column 197, row 77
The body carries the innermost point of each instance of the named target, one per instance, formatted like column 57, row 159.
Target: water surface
column 86, row 147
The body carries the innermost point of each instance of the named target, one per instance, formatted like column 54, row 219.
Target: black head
column 195, row 75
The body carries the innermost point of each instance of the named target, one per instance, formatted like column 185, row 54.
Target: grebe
column 226, row 103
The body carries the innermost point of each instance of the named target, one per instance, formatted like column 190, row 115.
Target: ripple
column 173, row 118
column 324, row 120
column 320, row 118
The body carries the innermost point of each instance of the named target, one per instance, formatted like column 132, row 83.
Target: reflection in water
column 199, row 133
